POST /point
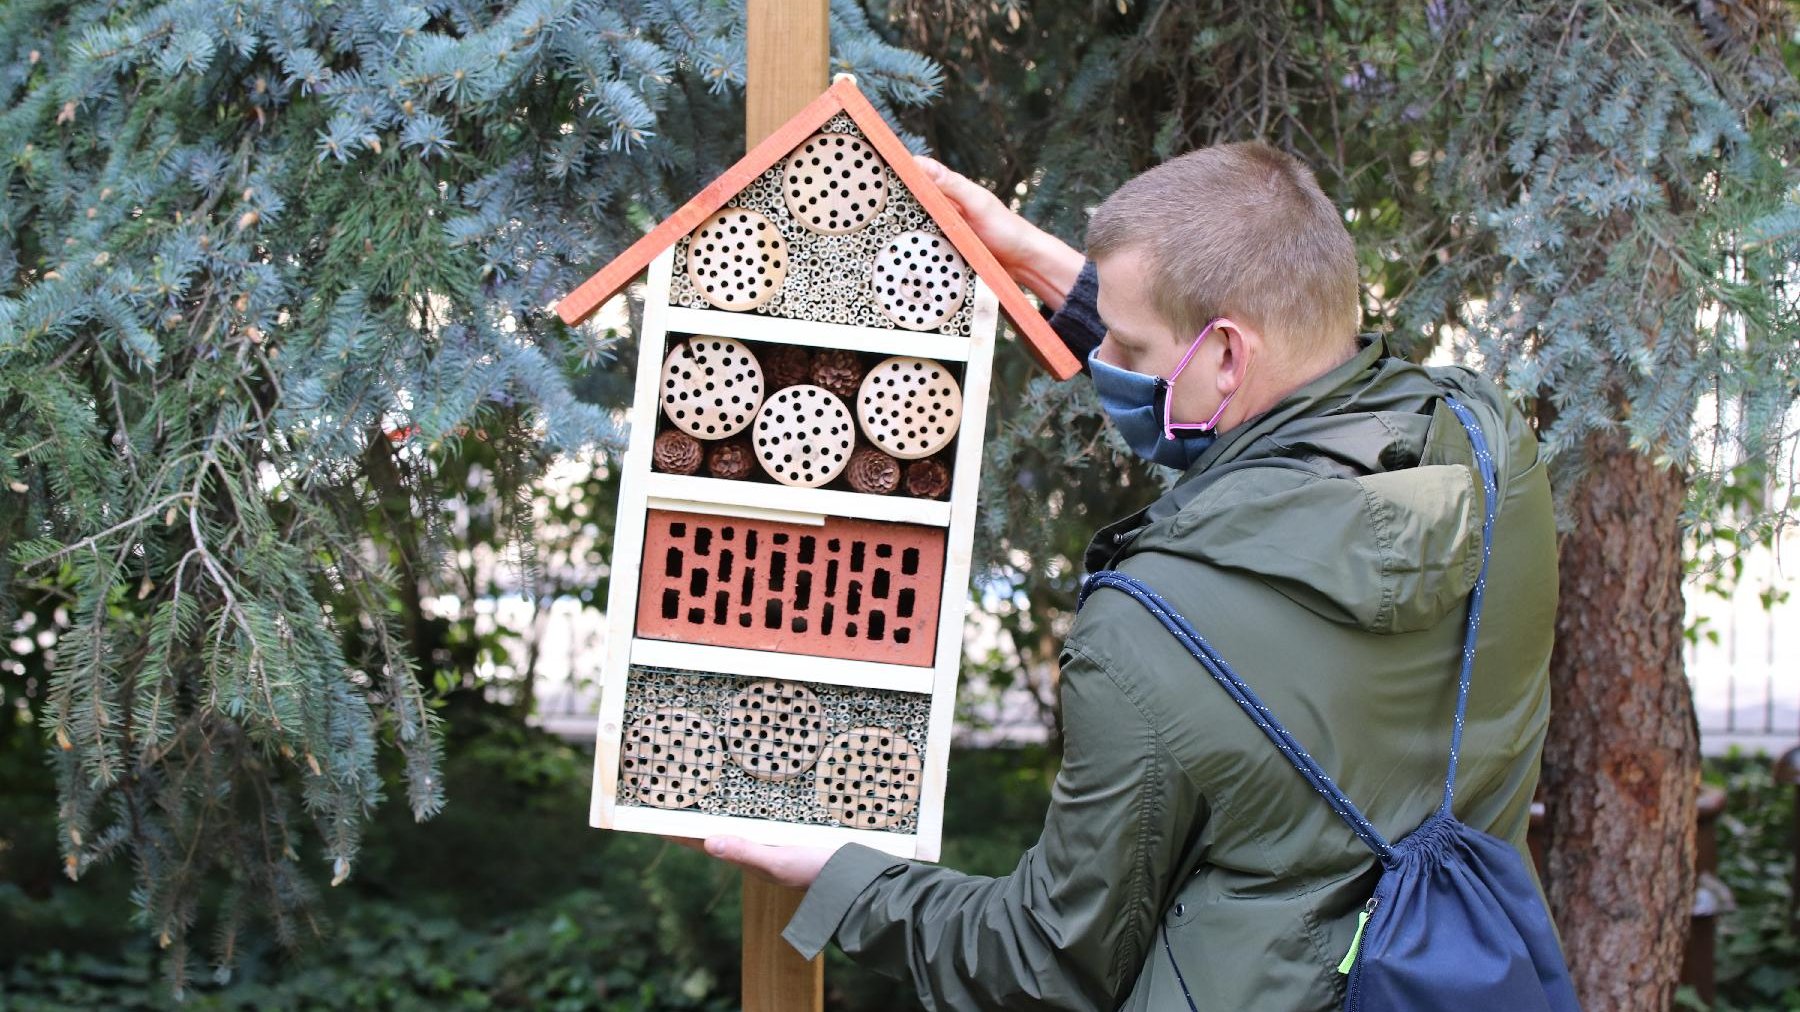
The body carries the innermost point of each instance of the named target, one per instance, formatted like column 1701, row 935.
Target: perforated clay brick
column 856, row 589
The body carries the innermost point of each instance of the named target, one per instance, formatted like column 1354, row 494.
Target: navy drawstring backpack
column 1455, row 922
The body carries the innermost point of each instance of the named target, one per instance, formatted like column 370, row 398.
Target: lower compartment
column 780, row 751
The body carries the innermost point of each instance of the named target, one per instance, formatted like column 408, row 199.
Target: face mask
column 1139, row 404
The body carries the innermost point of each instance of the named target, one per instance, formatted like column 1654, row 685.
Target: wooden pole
column 789, row 46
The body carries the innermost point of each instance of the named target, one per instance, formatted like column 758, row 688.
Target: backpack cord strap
column 1484, row 459
column 1247, row 700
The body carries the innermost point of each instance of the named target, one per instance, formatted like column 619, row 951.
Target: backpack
column 1455, row 922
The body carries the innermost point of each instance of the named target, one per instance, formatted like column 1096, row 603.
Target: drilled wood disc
column 834, row 184
column 869, row 778
column 920, row 280
column 670, row 758
column 775, row 729
column 737, row 259
column 711, row 387
column 910, row 407
column 804, row 435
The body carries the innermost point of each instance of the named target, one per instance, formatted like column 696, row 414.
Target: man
column 1324, row 537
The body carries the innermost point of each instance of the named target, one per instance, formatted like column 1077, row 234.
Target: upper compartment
column 867, row 251
column 829, row 234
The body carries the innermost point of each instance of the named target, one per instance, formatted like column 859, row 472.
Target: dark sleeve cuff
column 1078, row 321
column 850, row 871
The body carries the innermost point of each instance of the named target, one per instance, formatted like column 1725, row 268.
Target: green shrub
column 1759, row 951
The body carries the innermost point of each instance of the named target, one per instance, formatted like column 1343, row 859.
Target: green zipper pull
column 1362, row 921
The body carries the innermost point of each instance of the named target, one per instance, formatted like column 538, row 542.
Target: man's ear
column 1239, row 348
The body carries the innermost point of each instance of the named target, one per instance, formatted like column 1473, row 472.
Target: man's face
column 1139, row 339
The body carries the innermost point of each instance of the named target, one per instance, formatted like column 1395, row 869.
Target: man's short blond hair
column 1241, row 231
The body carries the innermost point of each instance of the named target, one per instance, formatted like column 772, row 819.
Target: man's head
column 1240, row 233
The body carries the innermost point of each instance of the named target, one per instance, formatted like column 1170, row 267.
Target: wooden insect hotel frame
column 797, row 501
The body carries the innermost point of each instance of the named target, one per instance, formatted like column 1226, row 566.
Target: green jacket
column 1326, row 548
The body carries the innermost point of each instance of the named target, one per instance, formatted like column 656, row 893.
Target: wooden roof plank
column 844, row 96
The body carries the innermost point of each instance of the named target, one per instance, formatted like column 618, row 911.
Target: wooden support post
column 789, row 47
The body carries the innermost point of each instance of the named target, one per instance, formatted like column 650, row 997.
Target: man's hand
column 1034, row 257
column 794, row 867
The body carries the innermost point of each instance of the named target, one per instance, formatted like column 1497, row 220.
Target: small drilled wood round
column 670, row 758
column 869, row 778
column 804, row 435
column 920, row 280
column 910, row 407
column 834, row 184
column 711, row 387
column 775, row 729
column 737, row 259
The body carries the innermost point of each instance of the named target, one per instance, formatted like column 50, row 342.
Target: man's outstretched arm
column 1070, row 926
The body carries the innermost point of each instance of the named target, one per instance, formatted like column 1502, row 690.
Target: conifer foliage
column 263, row 267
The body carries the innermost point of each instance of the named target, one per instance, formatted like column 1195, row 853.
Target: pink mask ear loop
column 1169, row 427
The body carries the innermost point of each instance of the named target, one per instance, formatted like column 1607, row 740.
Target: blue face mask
column 1137, row 403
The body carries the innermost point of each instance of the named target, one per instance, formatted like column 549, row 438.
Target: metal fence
column 1744, row 660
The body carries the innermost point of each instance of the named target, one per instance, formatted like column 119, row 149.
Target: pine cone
column 732, row 459
column 927, row 479
column 838, row 371
column 677, row 452
column 787, row 365
column 873, row 472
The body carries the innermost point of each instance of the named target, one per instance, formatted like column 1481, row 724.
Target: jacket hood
column 1355, row 496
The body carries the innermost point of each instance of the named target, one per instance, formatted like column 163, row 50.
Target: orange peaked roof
column 842, row 96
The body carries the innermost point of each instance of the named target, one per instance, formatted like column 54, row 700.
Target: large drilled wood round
column 920, row 280
column 910, row 407
column 775, row 729
column 804, row 435
column 834, row 184
column 711, row 387
column 869, row 778
column 737, row 259
column 670, row 758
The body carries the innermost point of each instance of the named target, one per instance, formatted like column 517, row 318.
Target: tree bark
column 1622, row 760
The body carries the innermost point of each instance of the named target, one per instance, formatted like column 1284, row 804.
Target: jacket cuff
column 850, row 871
column 1078, row 321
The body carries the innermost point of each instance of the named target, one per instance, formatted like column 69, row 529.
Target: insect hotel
column 797, row 502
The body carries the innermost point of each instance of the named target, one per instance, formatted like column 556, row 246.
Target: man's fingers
column 794, row 867
column 955, row 185
column 750, row 856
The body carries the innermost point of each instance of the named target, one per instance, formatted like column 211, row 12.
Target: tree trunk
column 1622, row 762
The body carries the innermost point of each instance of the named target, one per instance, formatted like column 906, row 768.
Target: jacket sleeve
column 1070, row 926
column 1078, row 321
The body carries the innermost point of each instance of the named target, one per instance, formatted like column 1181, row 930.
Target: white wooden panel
column 957, row 560
column 716, row 509
column 793, row 667
column 628, row 538
column 751, row 327
column 699, row 825
column 817, row 501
